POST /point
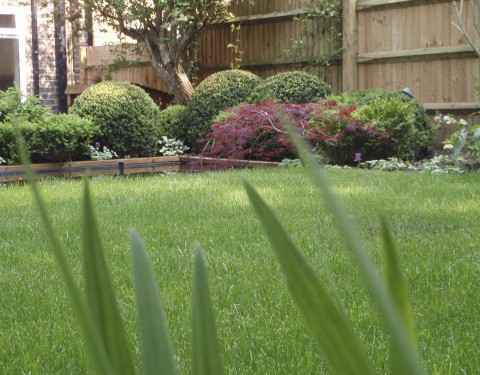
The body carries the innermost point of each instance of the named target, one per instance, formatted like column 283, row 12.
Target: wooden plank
column 452, row 106
column 90, row 164
column 314, row 61
column 263, row 18
column 76, row 89
column 230, row 162
column 350, row 46
column 417, row 54
column 369, row 4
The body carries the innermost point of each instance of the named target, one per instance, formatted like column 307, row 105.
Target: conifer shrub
column 220, row 90
column 291, row 87
column 126, row 116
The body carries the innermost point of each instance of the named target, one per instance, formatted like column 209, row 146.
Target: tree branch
column 460, row 26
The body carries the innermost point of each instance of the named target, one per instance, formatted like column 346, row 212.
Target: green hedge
column 57, row 138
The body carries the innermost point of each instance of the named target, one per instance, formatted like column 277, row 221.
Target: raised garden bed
column 10, row 173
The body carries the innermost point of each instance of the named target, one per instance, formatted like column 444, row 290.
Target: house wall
column 47, row 67
column 46, row 53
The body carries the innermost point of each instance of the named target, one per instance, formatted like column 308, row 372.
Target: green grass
column 434, row 218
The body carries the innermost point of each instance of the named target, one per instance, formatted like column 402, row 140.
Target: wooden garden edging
column 11, row 173
column 232, row 163
column 93, row 168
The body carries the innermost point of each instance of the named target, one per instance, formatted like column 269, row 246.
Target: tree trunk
column 176, row 79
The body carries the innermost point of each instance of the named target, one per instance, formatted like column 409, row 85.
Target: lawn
column 435, row 220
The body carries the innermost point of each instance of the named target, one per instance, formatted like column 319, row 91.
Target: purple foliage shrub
column 254, row 132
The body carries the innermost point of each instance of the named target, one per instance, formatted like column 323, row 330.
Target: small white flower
column 448, row 146
column 463, row 122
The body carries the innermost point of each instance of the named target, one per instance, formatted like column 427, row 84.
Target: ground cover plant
column 433, row 218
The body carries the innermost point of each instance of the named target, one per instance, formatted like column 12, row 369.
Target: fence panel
column 414, row 43
column 271, row 40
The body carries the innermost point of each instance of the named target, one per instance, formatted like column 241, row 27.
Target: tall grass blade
column 156, row 347
column 327, row 322
column 206, row 357
column 391, row 316
column 101, row 301
column 397, row 287
column 395, row 279
column 100, row 362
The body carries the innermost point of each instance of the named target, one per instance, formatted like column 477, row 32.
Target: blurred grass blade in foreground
column 100, row 362
column 206, row 349
column 403, row 348
column 156, row 348
column 101, row 300
column 397, row 287
column 327, row 323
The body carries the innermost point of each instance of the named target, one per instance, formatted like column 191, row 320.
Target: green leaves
column 390, row 297
column 101, row 301
column 95, row 348
column 103, row 330
column 206, row 350
column 99, row 318
column 156, row 347
column 326, row 321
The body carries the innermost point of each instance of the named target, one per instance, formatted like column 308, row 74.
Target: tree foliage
column 165, row 28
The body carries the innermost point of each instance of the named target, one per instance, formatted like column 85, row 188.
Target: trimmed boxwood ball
column 125, row 114
column 291, row 87
column 218, row 91
column 171, row 122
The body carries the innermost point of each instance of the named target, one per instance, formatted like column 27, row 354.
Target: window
column 12, row 48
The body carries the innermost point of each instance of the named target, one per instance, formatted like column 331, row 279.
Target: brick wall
column 46, row 54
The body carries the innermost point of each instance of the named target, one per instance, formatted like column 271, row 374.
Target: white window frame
column 17, row 33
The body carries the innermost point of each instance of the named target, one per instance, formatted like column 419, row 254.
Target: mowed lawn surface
column 435, row 221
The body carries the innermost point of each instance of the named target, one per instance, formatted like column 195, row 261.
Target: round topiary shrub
column 291, row 87
column 171, row 122
column 407, row 120
column 220, row 90
column 125, row 114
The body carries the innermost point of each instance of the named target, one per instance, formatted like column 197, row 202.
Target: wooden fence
column 389, row 44
column 272, row 39
column 403, row 43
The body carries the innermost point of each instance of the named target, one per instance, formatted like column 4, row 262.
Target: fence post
column 350, row 46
